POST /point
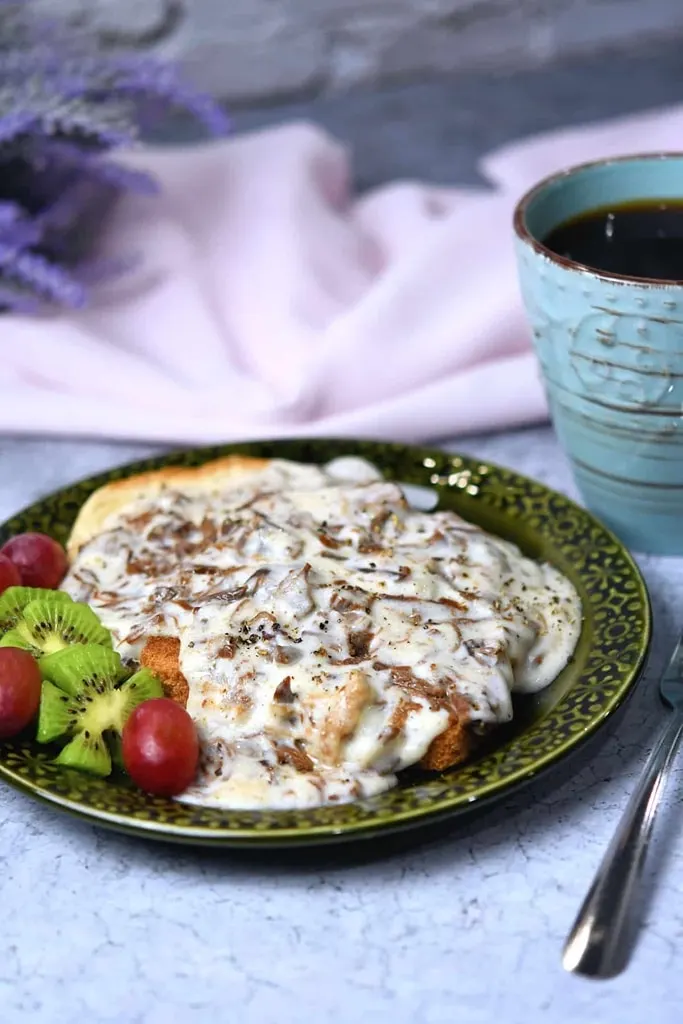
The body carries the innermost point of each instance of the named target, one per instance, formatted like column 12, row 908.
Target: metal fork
column 598, row 944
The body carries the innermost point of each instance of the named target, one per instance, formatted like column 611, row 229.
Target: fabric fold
column 263, row 299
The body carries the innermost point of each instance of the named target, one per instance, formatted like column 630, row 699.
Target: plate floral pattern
column 546, row 525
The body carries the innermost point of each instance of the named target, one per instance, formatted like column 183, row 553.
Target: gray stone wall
column 250, row 50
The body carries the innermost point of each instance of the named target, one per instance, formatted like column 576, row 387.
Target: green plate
column 546, row 525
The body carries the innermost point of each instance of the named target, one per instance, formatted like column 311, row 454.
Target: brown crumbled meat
column 399, row 717
column 283, row 692
column 298, row 759
column 161, row 655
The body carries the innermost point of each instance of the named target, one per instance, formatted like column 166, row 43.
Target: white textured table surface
column 96, row 927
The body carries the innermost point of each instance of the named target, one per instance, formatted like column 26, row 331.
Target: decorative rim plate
column 612, row 649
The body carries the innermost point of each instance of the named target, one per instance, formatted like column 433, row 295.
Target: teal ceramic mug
column 611, row 352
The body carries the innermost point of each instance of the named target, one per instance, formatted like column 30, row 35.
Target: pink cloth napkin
column 267, row 300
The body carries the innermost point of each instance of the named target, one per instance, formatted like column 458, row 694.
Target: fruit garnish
column 19, row 691
column 161, row 747
column 86, row 702
column 41, row 561
column 57, row 661
column 9, row 574
column 86, row 666
column 14, row 600
column 50, row 623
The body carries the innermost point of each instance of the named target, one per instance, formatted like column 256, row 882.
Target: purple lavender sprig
column 64, row 108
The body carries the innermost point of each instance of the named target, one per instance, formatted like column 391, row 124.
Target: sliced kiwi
column 115, row 745
column 140, row 687
column 88, row 705
column 76, row 676
column 143, row 685
column 48, row 625
column 83, row 666
column 15, row 599
column 57, row 713
column 59, row 716
column 88, row 752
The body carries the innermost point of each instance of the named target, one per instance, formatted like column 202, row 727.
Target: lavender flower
column 64, row 107
column 47, row 281
column 94, row 167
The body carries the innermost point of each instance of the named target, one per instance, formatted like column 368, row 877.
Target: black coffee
column 636, row 239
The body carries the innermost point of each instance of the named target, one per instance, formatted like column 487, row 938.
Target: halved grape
column 9, row 574
column 41, row 561
column 19, row 691
column 160, row 747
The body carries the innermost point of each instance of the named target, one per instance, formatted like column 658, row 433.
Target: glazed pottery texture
column 547, row 727
column 611, row 353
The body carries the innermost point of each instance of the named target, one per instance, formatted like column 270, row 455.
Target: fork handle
column 598, row 943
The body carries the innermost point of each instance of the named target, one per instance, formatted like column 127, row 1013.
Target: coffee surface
column 635, row 239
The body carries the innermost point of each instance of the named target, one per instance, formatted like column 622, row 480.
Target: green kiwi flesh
column 83, row 667
column 14, row 599
column 87, row 753
column 88, row 705
column 48, row 625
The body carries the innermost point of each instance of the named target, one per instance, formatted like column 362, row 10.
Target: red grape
column 160, row 747
column 19, row 690
column 9, row 574
column 41, row 561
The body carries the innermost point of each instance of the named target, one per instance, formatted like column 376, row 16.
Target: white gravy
column 329, row 632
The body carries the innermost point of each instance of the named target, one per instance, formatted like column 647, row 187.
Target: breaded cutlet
column 161, row 655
